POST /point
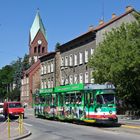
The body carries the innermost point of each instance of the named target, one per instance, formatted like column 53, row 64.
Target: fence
column 11, row 128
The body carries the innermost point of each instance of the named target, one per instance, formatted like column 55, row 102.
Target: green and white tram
column 91, row 103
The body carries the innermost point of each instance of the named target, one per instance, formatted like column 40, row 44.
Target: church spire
column 36, row 26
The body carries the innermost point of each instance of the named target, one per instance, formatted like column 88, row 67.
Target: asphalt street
column 43, row 129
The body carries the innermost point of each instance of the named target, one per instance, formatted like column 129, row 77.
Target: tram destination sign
column 46, row 90
column 98, row 86
column 68, row 88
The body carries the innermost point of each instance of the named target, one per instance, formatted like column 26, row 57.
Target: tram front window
column 99, row 99
column 106, row 99
column 109, row 98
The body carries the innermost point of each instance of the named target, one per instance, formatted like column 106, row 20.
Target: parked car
column 13, row 109
column 1, row 108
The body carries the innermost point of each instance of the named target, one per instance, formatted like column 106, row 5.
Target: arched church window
column 43, row 49
column 35, row 49
column 39, row 47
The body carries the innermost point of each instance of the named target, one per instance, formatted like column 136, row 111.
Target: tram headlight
column 110, row 112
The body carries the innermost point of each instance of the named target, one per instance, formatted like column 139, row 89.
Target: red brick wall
column 34, row 44
column 34, row 80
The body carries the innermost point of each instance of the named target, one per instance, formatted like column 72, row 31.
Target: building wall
column 57, row 69
column 34, row 80
column 100, row 34
column 80, row 68
column 48, row 73
column 34, row 44
column 25, row 89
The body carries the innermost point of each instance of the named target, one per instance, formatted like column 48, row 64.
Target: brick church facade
column 38, row 46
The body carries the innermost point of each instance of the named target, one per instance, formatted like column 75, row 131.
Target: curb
column 130, row 126
column 23, row 136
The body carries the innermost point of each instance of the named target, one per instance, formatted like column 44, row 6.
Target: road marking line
column 131, row 126
column 27, row 124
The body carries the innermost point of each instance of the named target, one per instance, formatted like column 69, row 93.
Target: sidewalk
column 129, row 121
column 15, row 133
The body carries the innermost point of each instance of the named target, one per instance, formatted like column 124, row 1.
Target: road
column 43, row 129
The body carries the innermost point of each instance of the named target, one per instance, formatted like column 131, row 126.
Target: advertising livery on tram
column 92, row 103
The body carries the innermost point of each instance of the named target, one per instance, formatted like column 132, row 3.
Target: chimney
column 128, row 8
column 114, row 16
column 90, row 28
column 101, row 22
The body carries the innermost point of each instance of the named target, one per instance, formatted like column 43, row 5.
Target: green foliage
column 14, row 95
column 9, row 75
column 117, row 59
column 18, row 71
column 25, row 62
column 6, row 77
column 57, row 45
column 32, row 61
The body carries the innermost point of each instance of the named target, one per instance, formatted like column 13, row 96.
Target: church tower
column 38, row 44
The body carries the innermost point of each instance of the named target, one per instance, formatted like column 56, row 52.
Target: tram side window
column 91, row 98
column 48, row 99
column 61, row 99
column 56, row 99
column 36, row 100
column 72, row 99
column 67, row 99
column 78, row 98
column 42, row 99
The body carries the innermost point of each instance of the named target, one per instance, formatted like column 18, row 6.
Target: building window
column 45, row 69
column 66, row 81
column 49, row 68
column 92, row 51
column 80, row 58
column 39, row 47
column 62, row 81
column 49, row 83
column 52, row 83
column 81, row 78
column 45, row 84
column 52, row 66
column 27, row 80
column 43, row 49
column 92, row 79
column 71, row 79
column 42, row 69
column 35, row 49
column 22, row 82
column 42, row 84
column 75, row 79
column 70, row 58
column 86, row 77
column 62, row 61
column 86, row 56
column 75, row 59
column 66, row 61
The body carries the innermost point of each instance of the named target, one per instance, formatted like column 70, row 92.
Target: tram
column 91, row 103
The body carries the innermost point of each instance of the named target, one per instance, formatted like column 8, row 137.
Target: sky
column 63, row 20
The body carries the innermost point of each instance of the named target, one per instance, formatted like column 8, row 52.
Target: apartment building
column 75, row 55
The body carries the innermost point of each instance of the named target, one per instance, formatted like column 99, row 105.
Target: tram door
column 89, row 104
column 61, row 104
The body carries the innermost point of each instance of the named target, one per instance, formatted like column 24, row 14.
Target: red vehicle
column 13, row 109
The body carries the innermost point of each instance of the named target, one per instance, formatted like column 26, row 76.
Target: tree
column 18, row 71
column 57, row 45
column 117, row 59
column 25, row 62
column 6, row 77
